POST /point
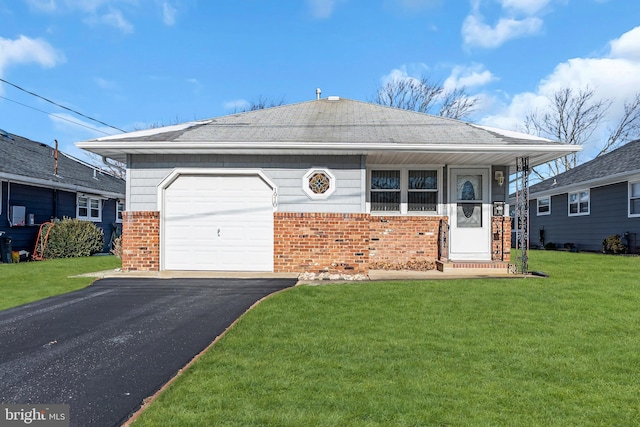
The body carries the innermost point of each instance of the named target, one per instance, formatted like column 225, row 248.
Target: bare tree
column 260, row 104
column 628, row 126
column 572, row 117
column 425, row 96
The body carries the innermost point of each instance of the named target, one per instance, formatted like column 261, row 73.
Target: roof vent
column 333, row 98
column 318, row 92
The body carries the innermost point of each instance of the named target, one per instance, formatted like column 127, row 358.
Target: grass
column 558, row 351
column 31, row 281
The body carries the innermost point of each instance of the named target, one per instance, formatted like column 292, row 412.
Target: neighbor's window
column 119, row 210
column 579, row 203
column 89, row 208
column 634, row 199
column 404, row 190
column 544, row 205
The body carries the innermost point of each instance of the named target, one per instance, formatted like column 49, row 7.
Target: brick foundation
column 140, row 241
column 321, row 243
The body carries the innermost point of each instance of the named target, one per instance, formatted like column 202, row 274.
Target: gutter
column 18, row 179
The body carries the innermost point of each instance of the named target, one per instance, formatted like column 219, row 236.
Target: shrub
column 117, row 247
column 613, row 245
column 73, row 238
column 550, row 246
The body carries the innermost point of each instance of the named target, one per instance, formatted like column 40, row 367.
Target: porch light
column 499, row 176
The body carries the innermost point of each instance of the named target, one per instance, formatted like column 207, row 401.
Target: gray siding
column 608, row 216
column 145, row 172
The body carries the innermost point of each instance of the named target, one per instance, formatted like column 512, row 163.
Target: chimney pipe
column 55, row 159
column 318, row 92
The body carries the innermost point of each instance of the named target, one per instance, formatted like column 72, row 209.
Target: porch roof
column 341, row 127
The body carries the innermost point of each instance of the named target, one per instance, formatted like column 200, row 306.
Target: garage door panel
column 218, row 223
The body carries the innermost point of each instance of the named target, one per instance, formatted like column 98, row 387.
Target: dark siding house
column 39, row 183
column 586, row 204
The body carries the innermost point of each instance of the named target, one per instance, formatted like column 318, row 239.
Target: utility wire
column 56, row 116
column 61, row 106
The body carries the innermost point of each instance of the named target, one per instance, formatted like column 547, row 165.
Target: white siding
column 145, row 172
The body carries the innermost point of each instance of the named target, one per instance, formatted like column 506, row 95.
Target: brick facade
column 405, row 242
column 501, row 238
column 321, row 242
column 346, row 244
column 141, row 241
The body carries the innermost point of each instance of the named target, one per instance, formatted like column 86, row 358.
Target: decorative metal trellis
column 522, row 215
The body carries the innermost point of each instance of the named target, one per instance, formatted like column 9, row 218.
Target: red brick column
column 501, row 238
column 141, row 241
column 404, row 242
column 321, row 243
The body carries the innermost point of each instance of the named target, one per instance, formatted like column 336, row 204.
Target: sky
column 135, row 64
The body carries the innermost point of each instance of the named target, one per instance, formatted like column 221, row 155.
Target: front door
column 469, row 214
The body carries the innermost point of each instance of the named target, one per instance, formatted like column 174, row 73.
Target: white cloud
column 528, row 7
column 322, row 9
column 614, row 76
column 627, row 46
column 476, row 33
column 236, row 105
column 468, row 76
column 42, row 5
column 169, row 14
column 25, row 50
column 115, row 19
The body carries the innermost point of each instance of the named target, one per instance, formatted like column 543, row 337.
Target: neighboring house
column 39, row 183
column 331, row 185
column 590, row 202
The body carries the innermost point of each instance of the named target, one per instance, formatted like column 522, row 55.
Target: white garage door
column 221, row 223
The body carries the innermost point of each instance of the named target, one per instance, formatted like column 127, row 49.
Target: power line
column 59, row 105
column 55, row 115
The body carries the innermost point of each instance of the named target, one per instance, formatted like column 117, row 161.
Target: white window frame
column 548, row 212
column 579, row 194
column 404, row 189
column 319, row 196
column 631, row 197
column 119, row 202
column 89, row 200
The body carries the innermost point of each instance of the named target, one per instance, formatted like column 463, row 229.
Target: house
column 39, row 183
column 586, row 204
column 326, row 186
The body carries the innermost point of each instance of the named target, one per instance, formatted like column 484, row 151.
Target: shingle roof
column 617, row 163
column 327, row 126
column 34, row 162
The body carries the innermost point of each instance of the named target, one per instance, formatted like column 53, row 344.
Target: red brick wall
column 321, row 243
column 404, row 242
column 141, row 241
column 501, row 238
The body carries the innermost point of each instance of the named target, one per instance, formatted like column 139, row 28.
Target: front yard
column 30, row 281
column 558, row 351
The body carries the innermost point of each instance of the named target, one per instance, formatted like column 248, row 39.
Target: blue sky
column 137, row 63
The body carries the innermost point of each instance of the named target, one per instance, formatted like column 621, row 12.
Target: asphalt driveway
column 105, row 348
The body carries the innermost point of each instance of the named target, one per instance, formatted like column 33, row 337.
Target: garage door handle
column 218, row 232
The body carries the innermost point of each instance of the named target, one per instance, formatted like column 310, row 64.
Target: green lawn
column 557, row 351
column 30, row 281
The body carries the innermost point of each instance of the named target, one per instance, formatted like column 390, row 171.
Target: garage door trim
column 176, row 173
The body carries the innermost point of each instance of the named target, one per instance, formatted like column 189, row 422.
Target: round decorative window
column 318, row 183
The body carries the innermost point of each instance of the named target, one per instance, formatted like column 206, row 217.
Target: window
column 319, row 184
column 579, row 203
column 89, row 208
column 544, row 205
column 634, row 199
column 409, row 190
column 119, row 210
